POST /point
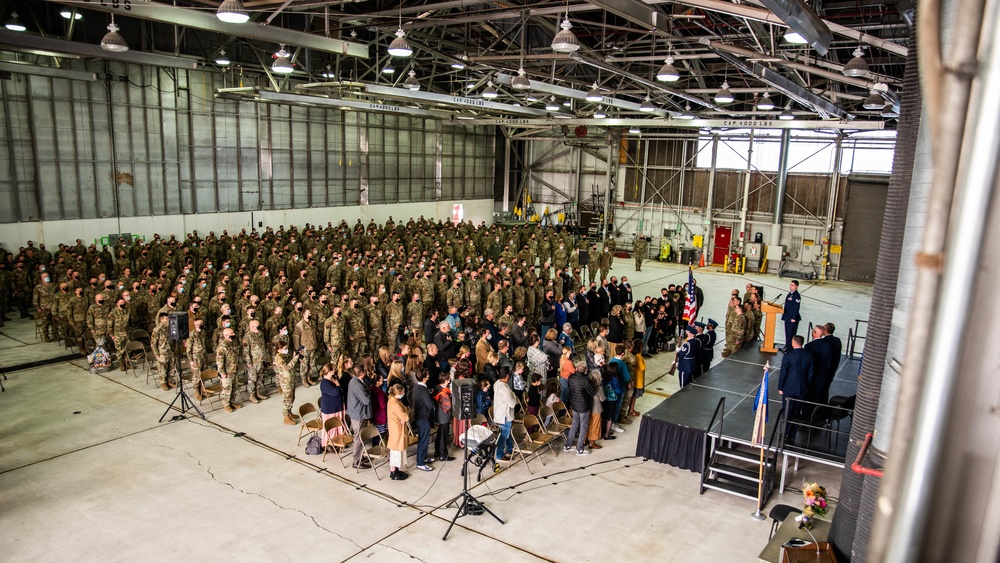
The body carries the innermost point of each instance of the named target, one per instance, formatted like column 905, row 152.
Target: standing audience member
column 581, row 401
column 794, row 382
column 594, row 432
column 790, row 315
column 443, row 398
column 397, row 419
column 503, row 416
column 822, row 354
column 284, row 372
column 639, row 378
column 424, row 413
column 359, row 408
column 331, row 400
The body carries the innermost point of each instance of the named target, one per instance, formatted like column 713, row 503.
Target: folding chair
column 537, row 433
column 554, row 427
column 338, row 443
column 210, row 359
column 594, row 328
column 211, row 386
column 480, row 420
column 585, row 332
column 135, row 353
column 38, row 328
column 140, row 335
column 523, row 444
column 310, row 425
column 562, row 412
column 87, row 343
column 151, row 366
column 373, row 453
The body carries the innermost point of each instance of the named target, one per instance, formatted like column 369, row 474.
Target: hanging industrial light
column 520, row 82
column 794, row 37
column 765, row 103
column 565, row 41
column 786, row 115
column 889, row 112
column 328, row 73
column 530, row 98
column 470, row 84
column 282, row 62
column 635, row 130
column 399, row 46
column 232, row 11
column 490, row 92
column 221, row 59
column 668, row 72
column 724, row 96
column 686, row 114
column 411, row 81
column 14, row 24
column 568, row 103
column 874, row 101
column 71, row 14
column 388, row 69
column 647, row 105
column 552, row 105
column 594, row 95
column 113, row 41
column 857, row 67
column 600, row 114
column 459, row 63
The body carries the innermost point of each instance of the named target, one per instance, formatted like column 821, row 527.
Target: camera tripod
column 186, row 402
column 469, row 505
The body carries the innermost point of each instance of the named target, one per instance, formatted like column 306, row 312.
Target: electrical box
column 754, row 254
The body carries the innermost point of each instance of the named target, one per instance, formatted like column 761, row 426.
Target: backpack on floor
column 314, row 446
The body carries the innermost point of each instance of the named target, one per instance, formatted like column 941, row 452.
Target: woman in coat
column 397, row 418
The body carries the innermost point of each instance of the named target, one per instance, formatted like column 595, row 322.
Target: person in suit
column 822, row 354
column 791, row 315
column 593, row 304
column 424, row 412
column 836, row 345
column 795, row 380
column 614, row 290
column 625, row 289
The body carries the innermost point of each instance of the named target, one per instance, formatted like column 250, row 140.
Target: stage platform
column 674, row 431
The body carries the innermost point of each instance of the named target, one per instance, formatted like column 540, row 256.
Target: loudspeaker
column 463, row 399
column 584, row 258
column 177, row 326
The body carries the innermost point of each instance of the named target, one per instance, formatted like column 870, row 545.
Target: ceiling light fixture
column 668, row 72
column 470, row 84
column 794, row 37
column 565, row 41
column 857, row 67
column 599, row 114
column 724, row 96
column 282, row 63
column 113, row 41
column 568, row 103
column 552, row 105
column 411, row 81
column 594, row 95
column 874, row 101
column 71, row 14
column 647, row 105
column 388, row 69
column 765, row 103
column 232, row 11
column 530, row 98
column 635, row 130
column 399, row 46
column 686, row 114
column 15, row 24
column 889, row 112
column 328, row 73
column 520, row 82
column 221, row 59
column 459, row 63
column 490, row 92
column 786, row 115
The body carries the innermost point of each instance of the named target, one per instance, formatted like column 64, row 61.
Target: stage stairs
column 733, row 467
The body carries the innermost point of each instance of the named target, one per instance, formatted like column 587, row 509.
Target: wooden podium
column 772, row 311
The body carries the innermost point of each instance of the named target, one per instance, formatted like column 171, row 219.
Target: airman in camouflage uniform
column 641, row 251
column 254, row 350
column 354, row 320
column 97, row 319
column 118, row 323
column 227, row 360
column 456, row 296
column 415, row 318
column 63, row 313
column 393, row 319
column 44, row 301
column 335, row 333
column 196, row 346
column 304, row 341
column 735, row 329
column 166, row 363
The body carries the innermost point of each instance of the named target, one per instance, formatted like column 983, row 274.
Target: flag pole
column 758, row 515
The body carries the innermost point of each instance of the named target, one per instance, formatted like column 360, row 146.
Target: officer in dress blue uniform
column 707, row 352
column 796, row 379
column 703, row 342
column 791, row 315
column 688, row 356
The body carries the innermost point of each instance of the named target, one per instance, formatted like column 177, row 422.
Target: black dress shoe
column 446, row 458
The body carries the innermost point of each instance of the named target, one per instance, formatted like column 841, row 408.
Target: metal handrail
column 854, row 336
column 705, row 453
column 776, row 454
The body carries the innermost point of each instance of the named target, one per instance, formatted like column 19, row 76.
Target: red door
column 723, row 235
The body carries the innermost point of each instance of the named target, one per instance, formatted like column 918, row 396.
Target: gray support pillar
column 645, row 174
column 506, row 171
column 709, row 205
column 607, row 187
column 746, row 195
column 782, row 183
column 832, row 205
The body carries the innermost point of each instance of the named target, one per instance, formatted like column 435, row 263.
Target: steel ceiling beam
column 453, row 101
column 644, row 81
column 684, row 124
column 206, row 21
column 634, row 11
column 564, row 92
column 26, row 42
column 332, row 102
column 35, row 70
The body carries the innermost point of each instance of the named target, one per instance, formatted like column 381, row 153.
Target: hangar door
column 863, row 218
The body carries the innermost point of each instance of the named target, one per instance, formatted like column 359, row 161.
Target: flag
column 760, row 410
column 690, row 303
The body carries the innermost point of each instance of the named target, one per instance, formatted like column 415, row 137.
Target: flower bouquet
column 814, row 505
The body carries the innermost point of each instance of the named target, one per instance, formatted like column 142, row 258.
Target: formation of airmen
column 322, row 291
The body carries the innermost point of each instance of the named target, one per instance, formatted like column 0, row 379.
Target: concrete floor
column 87, row 473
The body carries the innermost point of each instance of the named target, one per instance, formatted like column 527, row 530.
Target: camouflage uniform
column 118, row 327
column 373, row 314
column 97, row 321
column 735, row 329
column 63, row 316
column 415, row 320
column 196, row 357
column 284, row 372
column 357, row 341
column 641, row 251
column 254, row 349
column 334, row 332
column 166, row 374
column 227, row 358
column 393, row 318
column 606, row 258
column 305, row 337
column 44, row 301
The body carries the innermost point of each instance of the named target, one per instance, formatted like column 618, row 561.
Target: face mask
column 225, row 324
column 129, row 298
column 181, row 290
column 46, row 280
column 99, row 302
column 283, row 333
column 43, row 268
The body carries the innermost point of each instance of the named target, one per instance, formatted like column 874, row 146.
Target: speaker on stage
column 177, row 326
column 463, row 399
column 584, row 258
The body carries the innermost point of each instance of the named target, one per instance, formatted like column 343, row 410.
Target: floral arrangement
column 814, row 504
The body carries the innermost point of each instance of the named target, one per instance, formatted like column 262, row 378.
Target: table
column 790, row 529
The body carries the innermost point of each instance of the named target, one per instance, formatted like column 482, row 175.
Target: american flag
column 760, row 410
column 690, row 304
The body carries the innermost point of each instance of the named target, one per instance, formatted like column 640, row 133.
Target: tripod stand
column 470, row 505
column 186, row 402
